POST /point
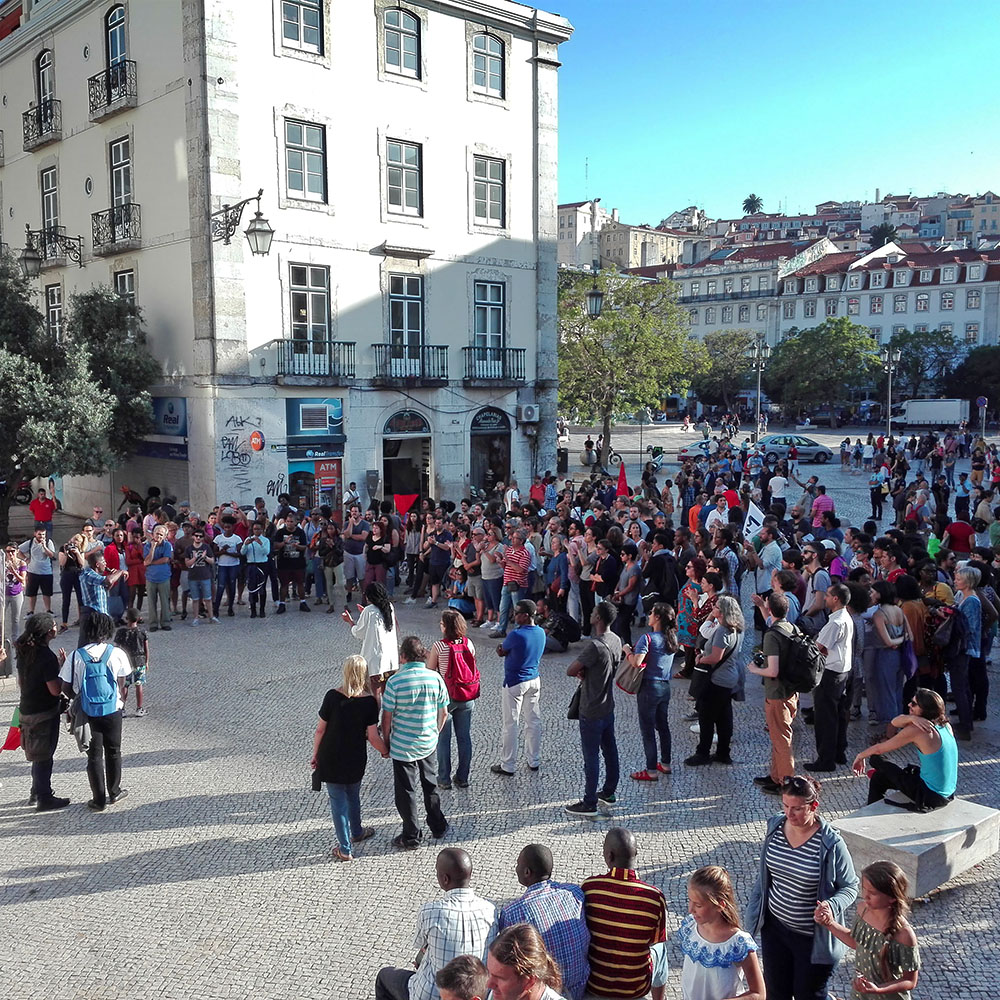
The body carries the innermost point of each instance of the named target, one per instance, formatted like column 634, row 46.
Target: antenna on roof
column 586, row 173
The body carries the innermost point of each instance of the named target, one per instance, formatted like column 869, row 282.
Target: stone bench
column 930, row 847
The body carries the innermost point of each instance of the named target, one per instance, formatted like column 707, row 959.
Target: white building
column 402, row 331
column 580, row 224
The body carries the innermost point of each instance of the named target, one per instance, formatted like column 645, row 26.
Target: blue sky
column 677, row 103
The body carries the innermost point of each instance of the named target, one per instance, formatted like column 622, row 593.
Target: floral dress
column 712, row 968
column 687, row 614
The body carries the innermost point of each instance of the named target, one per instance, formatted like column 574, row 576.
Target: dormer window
column 812, row 284
column 927, row 274
column 878, row 279
column 947, row 274
column 901, row 278
column 832, row 283
column 854, row 281
column 975, row 272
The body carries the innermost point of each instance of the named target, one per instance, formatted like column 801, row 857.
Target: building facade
column 625, row 246
column 402, row 331
column 580, row 225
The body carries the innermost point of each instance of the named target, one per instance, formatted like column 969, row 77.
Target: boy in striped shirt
column 414, row 708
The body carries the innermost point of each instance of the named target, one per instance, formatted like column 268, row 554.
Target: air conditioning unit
column 527, row 414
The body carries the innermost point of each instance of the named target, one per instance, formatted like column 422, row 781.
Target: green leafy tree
column 884, row 232
column 638, row 351
column 821, row 364
column 752, row 203
column 71, row 406
column 927, row 359
column 728, row 366
column 977, row 375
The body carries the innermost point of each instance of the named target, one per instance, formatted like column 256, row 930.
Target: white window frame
column 832, row 283
column 853, row 281
column 399, row 33
column 876, row 305
column 927, row 274
column 490, row 61
column 900, row 278
column 812, row 284
column 493, row 190
column 923, row 302
column 947, row 301
column 761, row 310
column 120, row 164
column 124, row 283
column 710, row 314
column 899, row 304
column 489, row 315
column 308, row 152
column 975, row 271
column 302, row 8
column 878, row 279
column 831, row 307
column 853, row 307
column 809, row 309
column 54, row 311
column 406, row 175
column 788, row 309
column 407, row 291
column 972, row 333
column 727, row 314
column 946, row 327
column 743, row 316
column 948, row 273
column 973, row 298
column 693, row 317
column 312, row 299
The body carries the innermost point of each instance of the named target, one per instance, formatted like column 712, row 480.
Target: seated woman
column 931, row 784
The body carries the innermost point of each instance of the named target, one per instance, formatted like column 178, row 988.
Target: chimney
column 876, row 195
column 614, row 215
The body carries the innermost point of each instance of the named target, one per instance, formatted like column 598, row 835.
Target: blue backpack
column 98, row 689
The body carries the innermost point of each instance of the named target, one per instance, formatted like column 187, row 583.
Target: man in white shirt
column 763, row 564
column 512, row 496
column 39, row 551
column 459, row 923
column 777, row 487
column 719, row 516
column 831, row 702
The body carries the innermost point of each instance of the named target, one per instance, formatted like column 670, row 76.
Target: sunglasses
column 798, row 786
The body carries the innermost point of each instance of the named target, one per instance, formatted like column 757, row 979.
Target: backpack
column 98, row 688
column 461, row 678
column 946, row 635
column 804, row 663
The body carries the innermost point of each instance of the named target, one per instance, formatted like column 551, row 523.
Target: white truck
column 931, row 413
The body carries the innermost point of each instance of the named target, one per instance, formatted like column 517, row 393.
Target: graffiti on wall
column 245, row 461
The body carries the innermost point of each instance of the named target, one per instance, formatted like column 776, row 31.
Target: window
column 853, row 307
column 744, row 314
column 45, row 81
column 832, row 283
column 125, row 284
column 878, row 279
column 972, row 333
column 812, row 284
column 923, row 302
column 114, row 28
column 302, row 25
column 695, row 287
column 489, row 308
column 403, row 177
column 947, row 300
column 710, row 314
column 54, row 311
column 947, row 274
column 927, row 274
column 711, row 288
column 788, row 309
column 876, row 332
column 727, row 314
column 50, row 210
column 406, row 310
column 309, row 298
column 789, row 287
column 901, row 278
column 831, row 307
column 875, row 304
column 487, row 65
column 975, row 271
column 727, row 285
column 809, row 308
column 920, row 328
column 744, row 284
column 305, row 160
column 972, row 298
column 402, row 43
column 763, row 282
column 761, row 311
column 488, row 195
column 899, row 303
column 121, row 172
column 946, row 327
column 898, row 330
column 854, row 281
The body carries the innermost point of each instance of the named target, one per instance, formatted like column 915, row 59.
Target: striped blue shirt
column 794, row 875
column 414, row 695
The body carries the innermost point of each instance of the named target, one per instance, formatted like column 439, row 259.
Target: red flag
column 13, row 740
column 622, row 490
column 403, row 502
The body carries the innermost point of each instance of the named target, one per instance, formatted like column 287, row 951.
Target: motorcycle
column 23, row 494
column 656, row 456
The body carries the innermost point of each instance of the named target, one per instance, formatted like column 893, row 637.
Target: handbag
column 703, row 674
column 908, row 658
column 573, row 712
column 629, row 678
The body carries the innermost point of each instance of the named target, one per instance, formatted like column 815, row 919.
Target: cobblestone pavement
column 213, row 880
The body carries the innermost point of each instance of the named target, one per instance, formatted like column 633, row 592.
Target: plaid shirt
column 93, row 591
column 459, row 923
column 555, row 910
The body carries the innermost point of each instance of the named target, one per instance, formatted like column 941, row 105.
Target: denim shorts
column 200, row 590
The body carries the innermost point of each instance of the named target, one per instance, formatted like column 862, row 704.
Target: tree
column 821, row 364
column 927, row 358
column 728, row 366
column 752, row 203
column 884, row 232
column 638, row 351
column 69, row 406
column 977, row 375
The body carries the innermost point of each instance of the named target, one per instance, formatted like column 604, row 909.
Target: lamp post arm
column 227, row 219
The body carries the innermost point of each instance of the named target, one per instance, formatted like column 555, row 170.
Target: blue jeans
column 345, row 808
column 597, row 736
column 316, row 572
column 491, row 591
column 226, row 580
column 459, row 717
column 507, row 602
column 653, row 703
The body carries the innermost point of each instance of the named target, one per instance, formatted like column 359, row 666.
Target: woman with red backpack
column 454, row 657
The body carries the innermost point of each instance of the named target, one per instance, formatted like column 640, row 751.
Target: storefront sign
column 407, row 422
column 170, row 415
column 489, row 421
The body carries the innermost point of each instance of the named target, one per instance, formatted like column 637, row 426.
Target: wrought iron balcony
column 117, row 229
column 494, row 364
column 318, row 358
column 410, row 362
column 42, row 124
column 112, row 90
column 55, row 247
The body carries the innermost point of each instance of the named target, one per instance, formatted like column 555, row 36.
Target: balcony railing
column 112, row 90
column 1, row 147
column 116, row 229
column 319, row 358
column 759, row 293
column 56, row 247
column 410, row 361
column 42, row 124
column 494, row 363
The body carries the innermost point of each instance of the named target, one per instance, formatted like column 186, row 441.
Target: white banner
column 754, row 521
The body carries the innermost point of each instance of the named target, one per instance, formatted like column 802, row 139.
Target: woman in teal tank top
column 929, row 785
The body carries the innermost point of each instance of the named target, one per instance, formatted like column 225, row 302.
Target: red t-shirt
column 42, row 510
column 960, row 534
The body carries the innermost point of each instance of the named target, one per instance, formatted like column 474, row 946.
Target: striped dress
column 625, row 916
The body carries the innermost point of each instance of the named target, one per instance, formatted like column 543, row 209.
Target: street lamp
column 890, row 362
column 52, row 242
column 595, row 301
column 759, row 353
column 259, row 233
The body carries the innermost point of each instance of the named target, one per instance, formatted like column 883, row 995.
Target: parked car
column 696, row 451
column 775, row 446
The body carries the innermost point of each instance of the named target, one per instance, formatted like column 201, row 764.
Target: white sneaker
column 140, row 713
column 195, row 622
column 488, row 625
column 410, row 600
column 214, row 620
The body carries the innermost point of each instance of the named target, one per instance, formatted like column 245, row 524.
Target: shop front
column 315, row 450
column 489, row 448
column 406, row 454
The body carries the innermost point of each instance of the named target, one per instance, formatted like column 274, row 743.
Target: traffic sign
column 981, row 402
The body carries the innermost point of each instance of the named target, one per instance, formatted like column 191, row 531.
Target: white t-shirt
column 228, row 549
column 72, row 670
column 379, row 648
column 777, row 486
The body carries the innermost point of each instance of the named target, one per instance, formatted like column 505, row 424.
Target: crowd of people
column 885, row 621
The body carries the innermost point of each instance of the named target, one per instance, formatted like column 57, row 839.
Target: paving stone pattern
column 213, row 879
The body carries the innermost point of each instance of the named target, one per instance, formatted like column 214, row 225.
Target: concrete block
column 930, row 847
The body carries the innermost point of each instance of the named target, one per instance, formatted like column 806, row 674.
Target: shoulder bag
column 704, row 673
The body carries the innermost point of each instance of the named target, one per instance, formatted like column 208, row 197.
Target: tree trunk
column 606, row 432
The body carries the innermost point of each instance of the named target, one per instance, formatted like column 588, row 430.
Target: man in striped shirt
column 627, row 922
column 516, row 563
column 414, row 708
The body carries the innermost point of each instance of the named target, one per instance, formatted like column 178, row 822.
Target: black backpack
column 804, row 664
